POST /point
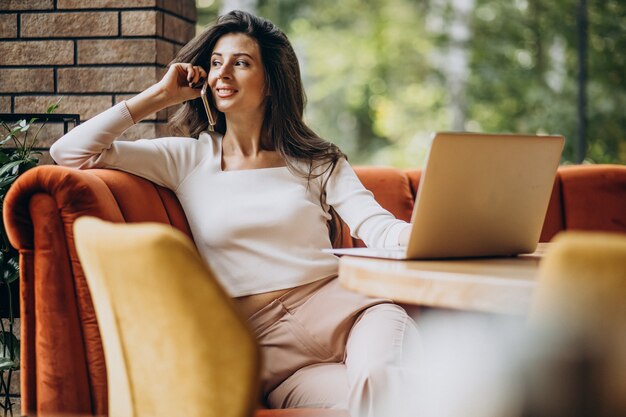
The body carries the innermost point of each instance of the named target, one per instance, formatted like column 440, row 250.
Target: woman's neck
column 243, row 135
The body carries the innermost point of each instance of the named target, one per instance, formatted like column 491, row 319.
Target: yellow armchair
column 173, row 342
column 579, row 316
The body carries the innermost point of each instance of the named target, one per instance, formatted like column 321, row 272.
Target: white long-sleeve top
column 259, row 230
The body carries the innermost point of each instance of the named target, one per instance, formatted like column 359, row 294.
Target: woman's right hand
column 182, row 82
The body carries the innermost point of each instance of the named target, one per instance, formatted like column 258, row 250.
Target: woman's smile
column 225, row 92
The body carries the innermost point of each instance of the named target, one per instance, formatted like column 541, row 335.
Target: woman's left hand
column 182, row 82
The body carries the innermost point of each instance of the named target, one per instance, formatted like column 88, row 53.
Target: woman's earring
column 209, row 111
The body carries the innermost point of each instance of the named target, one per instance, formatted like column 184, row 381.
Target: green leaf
column 10, row 341
column 7, row 180
column 3, row 157
column 5, row 140
column 6, row 364
column 16, row 156
column 7, row 338
column 54, row 106
column 24, row 126
column 10, row 277
column 11, row 270
column 16, row 130
column 10, row 166
column 14, row 261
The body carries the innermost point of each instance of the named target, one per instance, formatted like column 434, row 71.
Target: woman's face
column 237, row 75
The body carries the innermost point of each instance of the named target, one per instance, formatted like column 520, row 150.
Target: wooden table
column 494, row 285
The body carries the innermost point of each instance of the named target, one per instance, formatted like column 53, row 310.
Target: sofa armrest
column 75, row 193
column 62, row 360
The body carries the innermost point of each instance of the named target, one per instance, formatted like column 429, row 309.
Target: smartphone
column 207, row 107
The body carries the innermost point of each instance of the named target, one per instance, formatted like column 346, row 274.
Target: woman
column 259, row 193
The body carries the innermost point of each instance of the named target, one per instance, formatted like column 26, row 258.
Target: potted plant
column 14, row 161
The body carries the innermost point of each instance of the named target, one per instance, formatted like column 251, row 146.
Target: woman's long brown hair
column 284, row 130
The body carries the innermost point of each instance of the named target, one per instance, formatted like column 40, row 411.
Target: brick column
column 92, row 53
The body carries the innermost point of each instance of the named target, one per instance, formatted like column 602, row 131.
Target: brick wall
column 92, row 53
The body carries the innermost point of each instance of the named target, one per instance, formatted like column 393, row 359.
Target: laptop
column 480, row 195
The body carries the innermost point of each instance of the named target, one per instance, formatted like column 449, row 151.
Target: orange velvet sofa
column 63, row 367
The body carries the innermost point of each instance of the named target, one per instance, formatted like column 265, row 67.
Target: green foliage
column 207, row 13
column 371, row 86
column 524, row 74
column 379, row 79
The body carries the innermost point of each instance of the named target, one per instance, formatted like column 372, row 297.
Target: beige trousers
column 327, row 347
